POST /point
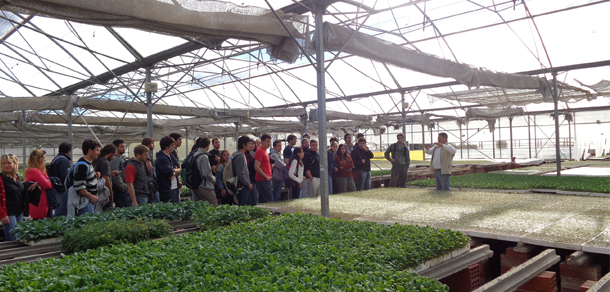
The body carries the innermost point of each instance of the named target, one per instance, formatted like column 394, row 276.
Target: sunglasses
column 8, row 155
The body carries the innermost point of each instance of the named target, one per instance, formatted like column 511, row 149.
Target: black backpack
column 192, row 177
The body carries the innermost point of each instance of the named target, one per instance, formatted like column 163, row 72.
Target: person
column 348, row 142
column 60, row 165
column 136, row 180
column 306, row 136
column 102, row 165
column 441, row 162
column 225, row 157
column 167, row 171
column 117, row 164
column 344, row 164
column 332, row 169
column 398, row 155
column 205, row 190
column 358, row 137
column 214, row 156
column 85, row 177
column 12, row 195
column 257, row 145
column 305, row 184
column 292, row 140
column 37, row 174
column 240, row 167
column 262, row 166
column 278, row 168
column 330, row 142
column 311, row 164
column 150, row 143
column 250, row 155
column 362, row 161
column 178, row 138
column 295, row 171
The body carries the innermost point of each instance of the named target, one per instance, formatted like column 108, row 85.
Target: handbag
column 289, row 182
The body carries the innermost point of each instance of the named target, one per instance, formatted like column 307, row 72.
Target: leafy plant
column 48, row 228
column 207, row 217
column 290, row 252
column 508, row 181
column 113, row 232
column 185, row 192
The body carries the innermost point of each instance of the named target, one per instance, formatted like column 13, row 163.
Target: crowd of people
column 104, row 178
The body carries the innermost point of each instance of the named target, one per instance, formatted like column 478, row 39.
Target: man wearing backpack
column 61, row 164
column 203, row 186
column 239, row 169
column 119, row 187
column 136, row 178
column 167, row 171
column 398, row 155
column 83, row 176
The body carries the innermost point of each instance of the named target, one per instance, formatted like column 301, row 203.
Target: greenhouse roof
column 54, row 49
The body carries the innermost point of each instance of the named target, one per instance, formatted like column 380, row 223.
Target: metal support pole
column 149, row 104
column 493, row 143
column 500, row 138
column 574, row 120
column 404, row 116
column 461, row 144
column 188, row 150
column 412, row 139
column 529, row 136
column 510, row 124
column 431, row 133
column 467, row 141
column 535, row 139
column 570, row 138
column 322, row 112
column 556, row 115
column 23, row 124
column 423, row 134
column 70, row 136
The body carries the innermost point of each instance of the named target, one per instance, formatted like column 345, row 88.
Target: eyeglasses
column 8, row 155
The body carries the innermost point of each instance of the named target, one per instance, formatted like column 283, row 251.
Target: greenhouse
column 518, row 91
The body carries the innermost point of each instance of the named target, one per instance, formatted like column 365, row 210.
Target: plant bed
column 291, row 252
column 113, row 232
column 36, row 230
column 508, row 181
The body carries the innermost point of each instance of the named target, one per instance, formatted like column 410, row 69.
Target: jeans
column 249, row 197
column 296, row 192
column 277, row 190
column 364, row 181
column 330, row 184
column 346, row 184
column 398, row 177
column 141, row 200
column 264, row 191
column 304, row 187
column 90, row 208
column 7, row 228
column 63, row 205
column 170, row 196
column 442, row 180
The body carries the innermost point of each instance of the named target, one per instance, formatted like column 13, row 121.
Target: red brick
column 587, row 285
column 525, row 290
column 465, row 280
column 592, row 272
column 569, row 290
column 512, row 253
column 509, row 261
column 504, row 269
column 545, row 281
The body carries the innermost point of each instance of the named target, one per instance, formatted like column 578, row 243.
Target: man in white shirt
column 441, row 162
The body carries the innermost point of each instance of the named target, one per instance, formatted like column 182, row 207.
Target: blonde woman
column 12, row 195
column 37, row 174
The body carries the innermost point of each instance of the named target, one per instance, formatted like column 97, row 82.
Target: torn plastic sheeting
column 10, row 104
column 195, row 18
column 338, row 38
column 333, row 115
column 484, row 113
column 9, row 117
column 262, row 112
column 602, row 87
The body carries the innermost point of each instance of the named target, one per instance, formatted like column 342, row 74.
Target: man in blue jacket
column 167, row 171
